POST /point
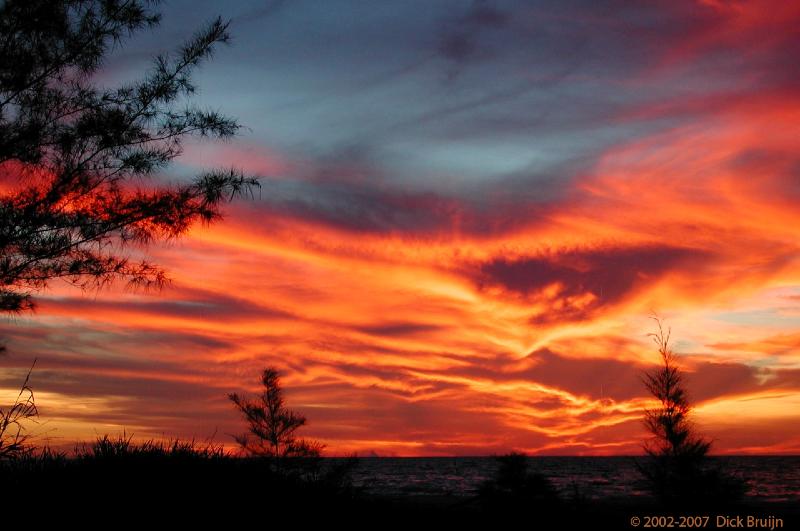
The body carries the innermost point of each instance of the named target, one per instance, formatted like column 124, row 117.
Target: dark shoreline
column 155, row 488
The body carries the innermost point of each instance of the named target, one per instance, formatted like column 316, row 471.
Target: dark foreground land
column 152, row 488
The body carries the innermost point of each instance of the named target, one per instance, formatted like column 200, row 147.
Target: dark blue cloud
column 396, row 329
column 607, row 274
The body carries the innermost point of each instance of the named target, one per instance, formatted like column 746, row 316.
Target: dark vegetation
column 191, row 481
column 154, row 481
column 272, row 437
column 79, row 162
column 185, row 480
column 515, row 486
column 82, row 162
column 677, row 469
column 14, row 423
column 272, row 426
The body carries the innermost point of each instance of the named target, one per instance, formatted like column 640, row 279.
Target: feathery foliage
column 678, row 470
column 79, row 162
column 669, row 423
column 14, row 440
column 272, row 425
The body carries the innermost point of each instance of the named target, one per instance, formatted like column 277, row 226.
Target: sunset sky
column 469, row 212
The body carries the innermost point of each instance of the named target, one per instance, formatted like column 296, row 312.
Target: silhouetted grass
column 123, row 448
column 14, row 439
column 188, row 478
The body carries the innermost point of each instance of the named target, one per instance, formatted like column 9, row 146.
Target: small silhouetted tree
column 272, row 426
column 79, row 160
column 677, row 468
column 673, row 433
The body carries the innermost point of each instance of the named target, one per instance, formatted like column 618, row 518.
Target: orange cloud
column 412, row 322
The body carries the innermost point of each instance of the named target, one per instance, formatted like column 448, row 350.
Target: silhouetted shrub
column 515, row 486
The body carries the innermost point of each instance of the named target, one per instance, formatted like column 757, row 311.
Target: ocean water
column 769, row 478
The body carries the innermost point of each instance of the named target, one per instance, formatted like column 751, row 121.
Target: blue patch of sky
column 311, row 80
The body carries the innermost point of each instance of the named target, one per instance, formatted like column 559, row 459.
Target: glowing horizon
column 439, row 265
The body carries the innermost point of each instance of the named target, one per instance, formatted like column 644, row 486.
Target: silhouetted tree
column 272, row 425
column 75, row 155
column 677, row 468
column 673, row 434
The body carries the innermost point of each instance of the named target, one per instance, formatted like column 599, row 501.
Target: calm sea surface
column 769, row 478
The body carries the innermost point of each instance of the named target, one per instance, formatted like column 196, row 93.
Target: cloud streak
column 467, row 267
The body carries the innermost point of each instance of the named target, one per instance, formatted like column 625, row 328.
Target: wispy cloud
column 467, row 267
